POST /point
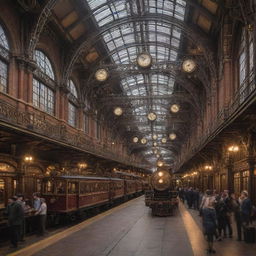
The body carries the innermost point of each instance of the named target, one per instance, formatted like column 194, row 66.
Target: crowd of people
column 218, row 210
column 17, row 210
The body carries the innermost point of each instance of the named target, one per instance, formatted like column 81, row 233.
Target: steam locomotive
column 161, row 199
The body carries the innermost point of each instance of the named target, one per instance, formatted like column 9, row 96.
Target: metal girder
column 39, row 26
column 191, row 32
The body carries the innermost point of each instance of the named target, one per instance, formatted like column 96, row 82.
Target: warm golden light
column 160, row 163
column 160, row 174
column 82, row 165
column 160, row 181
column 28, row 158
column 233, row 148
column 208, row 167
column 154, row 144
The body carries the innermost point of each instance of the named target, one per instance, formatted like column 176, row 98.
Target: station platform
column 130, row 230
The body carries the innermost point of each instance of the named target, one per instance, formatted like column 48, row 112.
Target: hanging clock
column 144, row 60
column 164, row 140
column 101, row 75
column 175, row 108
column 143, row 141
column 152, row 116
column 189, row 65
column 118, row 111
column 135, row 139
column 172, row 136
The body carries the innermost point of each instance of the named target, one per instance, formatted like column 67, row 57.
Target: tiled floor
column 130, row 230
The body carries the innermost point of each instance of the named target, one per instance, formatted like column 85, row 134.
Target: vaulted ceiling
column 110, row 35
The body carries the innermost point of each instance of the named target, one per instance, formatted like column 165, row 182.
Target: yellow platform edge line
column 40, row 245
column 194, row 232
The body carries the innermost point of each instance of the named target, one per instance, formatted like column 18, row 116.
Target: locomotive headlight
column 160, row 174
column 161, row 181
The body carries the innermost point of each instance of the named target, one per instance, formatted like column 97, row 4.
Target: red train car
column 75, row 195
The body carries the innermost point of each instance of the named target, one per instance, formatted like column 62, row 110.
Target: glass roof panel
column 3, row 39
column 125, row 41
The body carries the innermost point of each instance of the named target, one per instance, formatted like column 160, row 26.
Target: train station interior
column 127, row 127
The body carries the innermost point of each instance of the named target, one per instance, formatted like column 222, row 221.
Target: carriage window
column 72, row 188
column 2, row 188
column 48, row 187
column 61, row 187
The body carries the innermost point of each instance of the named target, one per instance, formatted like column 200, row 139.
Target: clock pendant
column 189, row 66
column 144, row 60
column 101, row 75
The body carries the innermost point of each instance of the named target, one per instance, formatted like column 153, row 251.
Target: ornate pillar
column 229, row 173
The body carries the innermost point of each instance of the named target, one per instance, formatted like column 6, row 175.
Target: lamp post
column 232, row 149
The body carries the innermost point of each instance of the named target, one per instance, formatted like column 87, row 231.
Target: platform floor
column 130, row 230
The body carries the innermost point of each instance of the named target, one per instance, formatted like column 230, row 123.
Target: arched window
column 44, row 64
column 43, row 94
column 4, row 55
column 246, row 64
column 242, row 59
column 72, row 109
column 72, row 88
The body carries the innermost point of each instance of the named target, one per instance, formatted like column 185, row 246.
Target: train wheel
column 72, row 217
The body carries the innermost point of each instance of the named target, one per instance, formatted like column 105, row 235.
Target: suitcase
column 249, row 234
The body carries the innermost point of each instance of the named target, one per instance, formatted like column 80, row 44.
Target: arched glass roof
column 126, row 40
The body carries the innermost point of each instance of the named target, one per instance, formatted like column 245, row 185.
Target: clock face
column 118, row 111
column 135, row 139
column 164, row 140
column 151, row 116
column 144, row 60
column 101, row 74
column 172, row 136
column 143, row 141
column 175, row 108
column 188, row 66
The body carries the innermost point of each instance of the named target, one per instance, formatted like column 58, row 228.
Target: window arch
column 72, row 88
column 43, row 93
column 246, row 64
column 4, row 49
column 3, row 39
column 44, row 64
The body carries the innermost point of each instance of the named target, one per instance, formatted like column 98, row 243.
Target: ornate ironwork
column 41, row 126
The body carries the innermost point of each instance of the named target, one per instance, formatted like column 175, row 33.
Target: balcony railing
column 241, row 100
column 53, row 129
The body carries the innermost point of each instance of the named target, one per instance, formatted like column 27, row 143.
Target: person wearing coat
column 209, row 224
column 15, row 219
column 246, row 208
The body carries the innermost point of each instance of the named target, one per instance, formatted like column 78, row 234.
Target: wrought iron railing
column 240, row 100
column 58, row 131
